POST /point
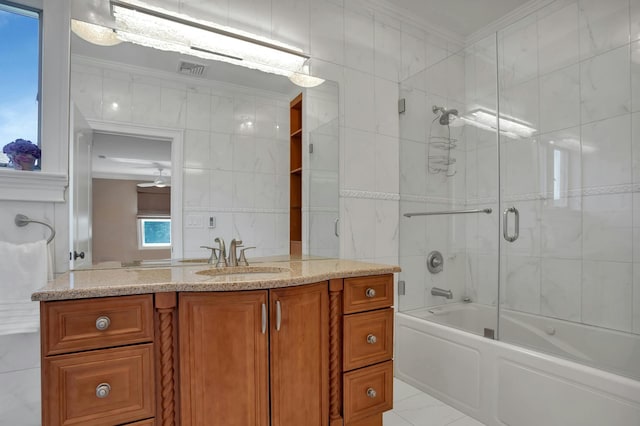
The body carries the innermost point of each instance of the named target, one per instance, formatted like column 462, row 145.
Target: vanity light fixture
column 509, row 126
column 96, row 34
column 164, row 30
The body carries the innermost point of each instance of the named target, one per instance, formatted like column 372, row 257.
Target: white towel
column 23, row 269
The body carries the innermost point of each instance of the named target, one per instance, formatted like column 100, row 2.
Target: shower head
column 445, row 114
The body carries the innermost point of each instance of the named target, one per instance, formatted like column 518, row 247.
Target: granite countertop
column 110, row 281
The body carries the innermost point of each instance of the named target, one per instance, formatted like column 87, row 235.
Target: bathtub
column 506, row 384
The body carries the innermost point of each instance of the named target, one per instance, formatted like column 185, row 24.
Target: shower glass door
column 449, row 166
column 568, row 281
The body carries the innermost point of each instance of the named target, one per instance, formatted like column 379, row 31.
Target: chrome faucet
column 435, row 291
column 222, row 257
column 233, row 255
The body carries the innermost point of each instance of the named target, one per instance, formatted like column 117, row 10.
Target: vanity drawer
column 123, row 376
column 73, row 325
column 368, row 391
column 367, row 293
column 368, row 338
column 148, row 422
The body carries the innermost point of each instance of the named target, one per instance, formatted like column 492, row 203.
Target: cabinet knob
column 103, row 322
column 371, row 339
column 371, row 393
column 370, row 292
column 103, row 390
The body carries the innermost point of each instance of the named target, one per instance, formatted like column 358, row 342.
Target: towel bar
column 22, row 220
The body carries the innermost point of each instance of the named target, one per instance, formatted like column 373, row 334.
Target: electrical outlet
column 212, row 222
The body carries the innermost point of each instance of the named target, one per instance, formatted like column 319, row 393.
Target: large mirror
column 170, row 151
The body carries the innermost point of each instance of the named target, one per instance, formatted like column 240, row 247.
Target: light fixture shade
column 96, row 34
column 164, row 30
column 304, row 79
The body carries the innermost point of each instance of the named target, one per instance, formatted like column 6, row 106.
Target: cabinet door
column 223, row 359
column 300, row 356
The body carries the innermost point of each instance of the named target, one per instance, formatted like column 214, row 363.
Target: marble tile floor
column 412, row 407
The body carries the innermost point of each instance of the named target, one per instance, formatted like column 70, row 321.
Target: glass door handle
column 505, row 224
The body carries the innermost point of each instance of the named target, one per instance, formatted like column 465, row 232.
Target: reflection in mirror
column 233, row 174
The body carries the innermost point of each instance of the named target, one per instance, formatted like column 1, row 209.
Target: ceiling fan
column 158, row 182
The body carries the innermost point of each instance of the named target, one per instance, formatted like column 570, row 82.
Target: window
column 154, row 233
column 19, row 76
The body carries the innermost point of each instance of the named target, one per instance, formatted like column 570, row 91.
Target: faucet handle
column 213, row 255
column 243, row 258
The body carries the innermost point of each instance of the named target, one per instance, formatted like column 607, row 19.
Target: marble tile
column 266, row 120
column 635, row 146
column 521, row 173
column 520, row 103
column 413, row 273
column 424, row 410
column 244, row 153
column 487, row 160
column 607, row 228
column 636, row 298
column 196, row 149
column 390, row 418
column 145, row 103
column 388, row 51
column 386, row 228
column 197, row 188
column 560, row 289
column 606, row 152
column 173, row 107
column 86, row 92
column 605, row 85
column 327, row 31
column 267, row 157
column 198, row 111
column 253, row 16
column 560, row 96
column 403, row 390
column 359, row 220
column 528, row 242
column 561, row 161
column 359, row 41
column 412, row 232
column 518, row 52
column 635, row 76
column 437, row 48
column 290, row 22
column 359, row 100
column 386, row 164
column 360, row 157
column 386, row 97
column 19, row 352
column 603, row 25
column 558, row 38
column 414, row 58
column 413, row 168
column 244, row 190
column 221, row 189
column 116, row 99
column 607, row 294
column 522, row 284
column 561, row 229
column 635, row 20
column 20, row 397
column 222, row 118
column 413, row 125
column 221, row 155
column 244, row 115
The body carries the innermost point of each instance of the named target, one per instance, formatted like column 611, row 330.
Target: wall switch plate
column 194, row 221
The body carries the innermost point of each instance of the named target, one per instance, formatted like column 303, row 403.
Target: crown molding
column 18, row 185
column 508, row 19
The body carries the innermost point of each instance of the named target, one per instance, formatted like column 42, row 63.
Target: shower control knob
column 103, row 390
column 371, row 393
column 102, row 323
column 370, row 292
column 371, row 339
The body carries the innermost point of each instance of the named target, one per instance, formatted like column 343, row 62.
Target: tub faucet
column 222, row 256
column 435, row 291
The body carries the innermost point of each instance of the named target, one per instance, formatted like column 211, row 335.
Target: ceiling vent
column 191, row 68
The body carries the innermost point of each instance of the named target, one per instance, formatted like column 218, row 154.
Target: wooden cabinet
column 225, row 343
column 314, row 355
column 98, row 361
column 295, row 187
column 361, row 350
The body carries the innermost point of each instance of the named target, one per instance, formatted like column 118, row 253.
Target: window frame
column 141, row 234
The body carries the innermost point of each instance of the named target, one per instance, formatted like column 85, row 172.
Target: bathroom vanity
column 288, row 343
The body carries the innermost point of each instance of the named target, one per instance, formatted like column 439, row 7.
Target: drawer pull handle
column 370, row 292
column 371, row 393
column 103, row 390
column 371, row 339
column 102, row 323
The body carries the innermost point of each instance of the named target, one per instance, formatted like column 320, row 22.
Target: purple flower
column 21, row 146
